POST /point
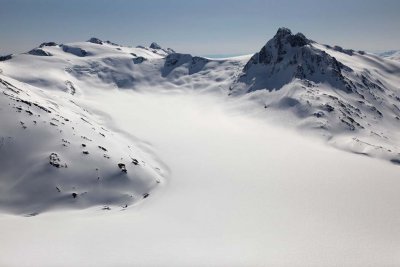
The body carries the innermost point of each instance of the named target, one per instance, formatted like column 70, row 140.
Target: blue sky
column 202, row 27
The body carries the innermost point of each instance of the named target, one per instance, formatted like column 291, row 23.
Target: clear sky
column 201, row 27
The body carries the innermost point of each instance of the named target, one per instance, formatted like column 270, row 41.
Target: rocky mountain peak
column 154, row 45
column 288, row 56
column 158, row 49
column 95, row 40
column 284, row 35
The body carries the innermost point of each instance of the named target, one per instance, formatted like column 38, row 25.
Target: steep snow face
column 54, row 153
column 350, row 97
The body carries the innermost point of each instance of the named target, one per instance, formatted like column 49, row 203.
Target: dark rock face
column 288, row 56
column 177, row 59
column 95, row 40
column 47, row 44
column 139, row 60
column 39, row 52
column 349, row 52
column 74, row 50
column 298, row 40
column 4, row 58
column 193, row 64
column 284, row 34
column 154, row 45
column 278, row 46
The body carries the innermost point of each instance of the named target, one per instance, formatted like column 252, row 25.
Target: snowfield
column 122, row 156
column 241, row 192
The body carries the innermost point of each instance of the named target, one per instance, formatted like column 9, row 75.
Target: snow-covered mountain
column 54, row 152
column 391, row 54
column 59, row 150
column 338, row 92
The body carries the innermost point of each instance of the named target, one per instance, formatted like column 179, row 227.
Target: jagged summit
column 95, row 40
column 47, row 44
column 280, row 44
column 289, row 56
column 156, row 48
column 294, row 40
column 154, row 45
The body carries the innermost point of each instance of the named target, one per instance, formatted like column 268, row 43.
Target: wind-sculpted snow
column 54, row 153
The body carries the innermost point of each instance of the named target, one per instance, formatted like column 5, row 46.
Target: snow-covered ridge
column 103, row 64
column 54, row 153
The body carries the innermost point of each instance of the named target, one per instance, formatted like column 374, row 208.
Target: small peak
column 47, row 44
column 95, row 40
column 282, row 32
column 154, row 45
column 298, row 40
column 285, row 35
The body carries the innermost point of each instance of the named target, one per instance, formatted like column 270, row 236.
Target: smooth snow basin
column 241, row 192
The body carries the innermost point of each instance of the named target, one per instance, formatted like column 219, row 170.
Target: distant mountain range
column 391, row 54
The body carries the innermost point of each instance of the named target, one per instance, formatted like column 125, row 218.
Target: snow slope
column 242, row 193
column 54, row 153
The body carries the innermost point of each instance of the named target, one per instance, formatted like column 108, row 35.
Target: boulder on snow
column 122, row 167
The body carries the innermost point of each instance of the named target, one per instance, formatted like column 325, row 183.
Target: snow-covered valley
column 113, row 155
column 241, row 192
